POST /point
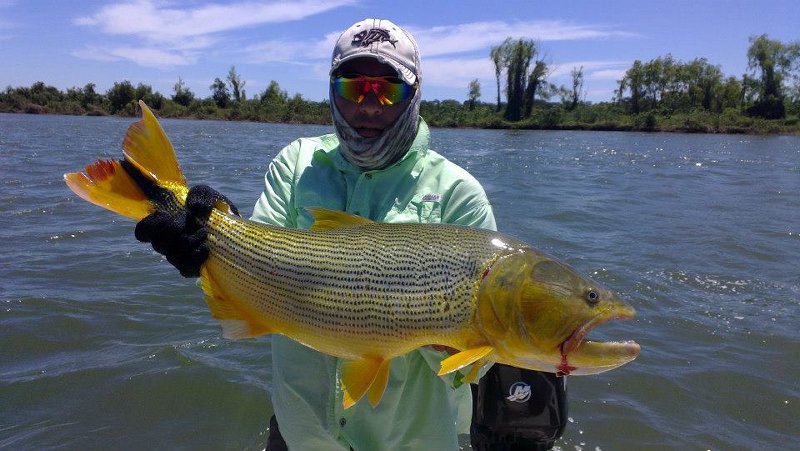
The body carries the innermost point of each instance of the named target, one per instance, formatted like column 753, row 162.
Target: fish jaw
column 581, row 357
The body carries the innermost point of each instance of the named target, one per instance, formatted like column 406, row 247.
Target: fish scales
column 417, row 285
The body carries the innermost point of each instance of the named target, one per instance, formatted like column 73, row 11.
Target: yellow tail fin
column 147, row 147
column 129, row 187
column 106, row 184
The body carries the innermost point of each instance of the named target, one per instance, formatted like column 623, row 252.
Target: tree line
column 227, row 100
column 660, row 94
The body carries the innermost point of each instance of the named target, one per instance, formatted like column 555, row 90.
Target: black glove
column 181, row 236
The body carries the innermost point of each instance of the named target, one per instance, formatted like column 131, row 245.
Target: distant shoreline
column 761, row 126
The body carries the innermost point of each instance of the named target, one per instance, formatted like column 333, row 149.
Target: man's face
column 369, row 118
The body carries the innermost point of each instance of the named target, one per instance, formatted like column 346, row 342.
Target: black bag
column 517, row 409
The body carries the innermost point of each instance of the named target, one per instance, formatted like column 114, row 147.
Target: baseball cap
column 383, row 40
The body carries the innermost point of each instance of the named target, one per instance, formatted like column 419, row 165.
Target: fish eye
column 592, row 296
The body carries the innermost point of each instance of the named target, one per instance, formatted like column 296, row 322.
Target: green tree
column 220, row 94
column 89, row 96
column 771, row 61
column 120, row 95
column 656, row 79
column 729, row 94
column 519, row 59
column 145, row 92
column 183, row 96
column 577, row 93
column 633, row 82
column 274, row 95
column 474, row 93
column 705, row 85
column 237, row 85
column 535, row 81
column 42, row 94
column 499, row 56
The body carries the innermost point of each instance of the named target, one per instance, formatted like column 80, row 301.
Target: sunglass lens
column 387, row 90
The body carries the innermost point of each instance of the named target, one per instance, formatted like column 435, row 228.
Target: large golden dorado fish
column 368, row 292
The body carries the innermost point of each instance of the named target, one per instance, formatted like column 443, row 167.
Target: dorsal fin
column 325, row 219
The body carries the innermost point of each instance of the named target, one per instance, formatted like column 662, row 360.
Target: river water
column 103, row 345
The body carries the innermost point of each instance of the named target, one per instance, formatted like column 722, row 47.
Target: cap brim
column 403, row 72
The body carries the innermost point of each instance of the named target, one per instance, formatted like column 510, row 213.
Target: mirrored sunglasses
column 388, row 90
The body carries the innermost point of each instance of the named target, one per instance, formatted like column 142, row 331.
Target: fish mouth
column 580, row 356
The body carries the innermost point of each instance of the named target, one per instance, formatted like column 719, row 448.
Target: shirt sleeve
column 468, row 205
column 274, row 206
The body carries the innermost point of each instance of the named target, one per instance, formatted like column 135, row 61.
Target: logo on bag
column 519, row 392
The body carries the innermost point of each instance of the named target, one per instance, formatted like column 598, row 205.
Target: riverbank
column 453, row 114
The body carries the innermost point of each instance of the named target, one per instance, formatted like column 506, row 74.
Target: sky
column 71, row 43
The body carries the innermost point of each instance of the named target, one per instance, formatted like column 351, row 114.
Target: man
column 378, row 164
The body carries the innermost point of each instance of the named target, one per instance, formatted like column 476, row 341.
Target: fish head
column 537, row 312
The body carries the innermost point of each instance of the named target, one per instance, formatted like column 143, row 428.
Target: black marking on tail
column 162, row 198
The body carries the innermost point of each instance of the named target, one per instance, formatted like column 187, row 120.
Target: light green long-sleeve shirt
column 419, row 410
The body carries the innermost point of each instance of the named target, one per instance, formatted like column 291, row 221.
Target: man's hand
column 181, row 237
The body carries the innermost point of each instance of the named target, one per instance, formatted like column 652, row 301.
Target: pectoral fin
column 368, row 375
column 464, row 358
column 472, row 376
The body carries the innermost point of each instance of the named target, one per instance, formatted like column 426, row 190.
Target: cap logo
column 368, row 37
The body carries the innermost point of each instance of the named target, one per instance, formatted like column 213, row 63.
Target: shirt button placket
column 361, row 186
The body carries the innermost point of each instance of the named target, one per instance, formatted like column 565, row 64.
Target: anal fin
column 464, row 358
column 367, row 375
column 375, row 392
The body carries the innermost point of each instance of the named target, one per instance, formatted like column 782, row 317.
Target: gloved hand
column 181, row 236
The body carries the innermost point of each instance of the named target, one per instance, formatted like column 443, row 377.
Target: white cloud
column 153, row 57
column 449, row 72
column 608, row 74
column 590, row 68
column 180, row 33
column 148, row 57
column 288, row 51
column 146, row 18
column 450, row 39
column 156, row 34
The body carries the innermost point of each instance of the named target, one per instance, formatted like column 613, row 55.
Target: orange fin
column 325, row 219
column 464, row 358
column 147, row 147
column 107, row 184
column 236, row 320
column 358, row 376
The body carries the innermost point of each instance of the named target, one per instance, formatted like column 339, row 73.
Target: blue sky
column 71, row 43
